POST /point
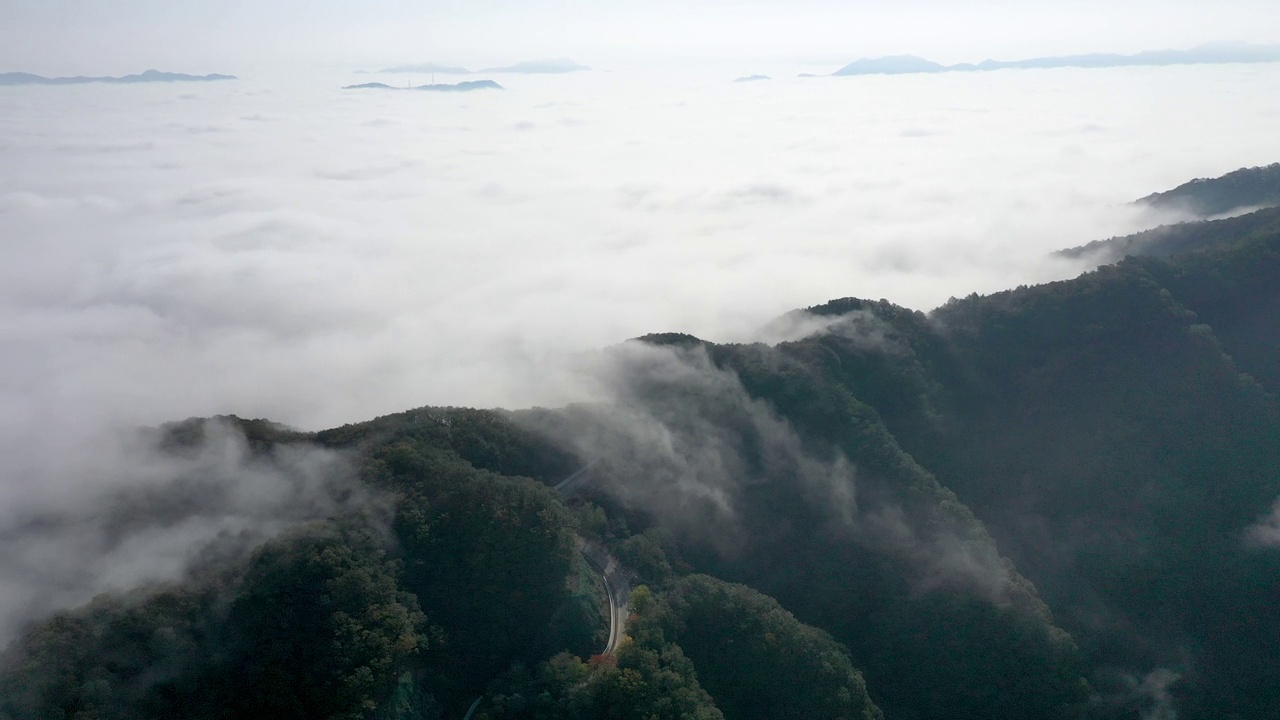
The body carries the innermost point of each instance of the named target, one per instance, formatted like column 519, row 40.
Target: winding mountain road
column 616, row 586
column 615, row 582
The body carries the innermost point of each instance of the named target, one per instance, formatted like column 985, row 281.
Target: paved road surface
column 616, row 587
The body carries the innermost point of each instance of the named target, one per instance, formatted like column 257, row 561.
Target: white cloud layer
column 279, row 247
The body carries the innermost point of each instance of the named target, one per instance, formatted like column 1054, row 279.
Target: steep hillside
column 1118, row 436
column 1254, row 187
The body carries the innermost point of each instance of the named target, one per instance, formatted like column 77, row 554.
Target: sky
column 279, row 247
column 75, row 36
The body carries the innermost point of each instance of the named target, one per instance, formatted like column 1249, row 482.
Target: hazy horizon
column 62, row 38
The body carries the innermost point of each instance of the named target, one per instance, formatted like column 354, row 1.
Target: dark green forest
column 1052, row 502
column 1255, row 187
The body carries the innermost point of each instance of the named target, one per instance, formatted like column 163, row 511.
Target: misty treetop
column 312, row 625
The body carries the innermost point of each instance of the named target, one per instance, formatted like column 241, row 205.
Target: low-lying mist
column 681, row 440
column 276, row 247
column 283, row 248
column 129, row 510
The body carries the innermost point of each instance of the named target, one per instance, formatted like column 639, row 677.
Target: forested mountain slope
column 1118, row 434
column 1254, row 187
column 1052, row 502
column 1169, row 240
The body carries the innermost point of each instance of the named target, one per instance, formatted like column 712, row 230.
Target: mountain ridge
column 465, row 86
column 21, row 78
column 1209, row 53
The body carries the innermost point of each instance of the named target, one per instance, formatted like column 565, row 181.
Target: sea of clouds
column 279, row 247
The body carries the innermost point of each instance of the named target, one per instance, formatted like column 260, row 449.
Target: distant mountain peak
column 466, row 86
column 151, row 75
column 891, row 65
column 1208, row 53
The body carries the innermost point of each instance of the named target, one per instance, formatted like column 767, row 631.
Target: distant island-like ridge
column 22, row 78
column 1209, row 54
column 466, row 86
column 751, row 78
